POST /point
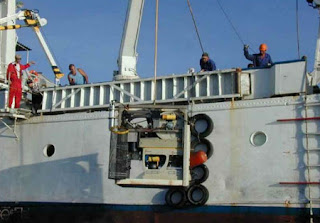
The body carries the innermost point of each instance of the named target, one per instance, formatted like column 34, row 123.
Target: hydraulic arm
column 32, row 19
column 127, row 61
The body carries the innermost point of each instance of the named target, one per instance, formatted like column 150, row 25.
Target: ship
column 233, row 145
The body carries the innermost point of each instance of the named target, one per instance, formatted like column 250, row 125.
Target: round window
column 258, row 138
column 48, row 150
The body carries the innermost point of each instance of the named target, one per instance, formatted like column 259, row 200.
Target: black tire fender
column 203, row 199
column 196, row 179
column 169, row 197
column 206, row 142
column 208, row 130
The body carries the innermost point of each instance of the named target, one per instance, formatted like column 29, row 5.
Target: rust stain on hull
column 85, row 213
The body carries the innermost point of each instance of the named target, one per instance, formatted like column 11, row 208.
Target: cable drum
column 201, row 125
column 198, row 195
column 176, row 197
column 204, row 145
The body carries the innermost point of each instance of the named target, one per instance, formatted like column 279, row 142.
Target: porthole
column 258, row 138
column 48, row 150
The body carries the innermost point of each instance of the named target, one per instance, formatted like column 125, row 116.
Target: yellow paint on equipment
column 31, row 21
column 153, row 159
column 10, row 27
column 169, row 117
column 115, row 129
column 59, row 76
column 27, row 13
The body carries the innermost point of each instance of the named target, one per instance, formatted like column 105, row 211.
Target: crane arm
column 19, row 15
column 316, row 69
column 58, row 74
column 127, row 61
column 32, row 19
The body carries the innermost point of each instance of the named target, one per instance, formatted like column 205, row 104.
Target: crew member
column 33, row 84
column 14, row 76
column 77, row 76
column 206, row 63
column 259, row 60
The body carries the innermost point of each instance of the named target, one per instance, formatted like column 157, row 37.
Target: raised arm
column 246, row 53
column 84, row 75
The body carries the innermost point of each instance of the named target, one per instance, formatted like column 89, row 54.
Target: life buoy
column 176, row 197
column 198, row 195
column 33, row 72
column 207, row 143
column 206, row 131
column 199, row 174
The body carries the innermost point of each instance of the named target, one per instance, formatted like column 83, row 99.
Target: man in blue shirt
column 206, row 63
column 77, row 76
column 259, row 60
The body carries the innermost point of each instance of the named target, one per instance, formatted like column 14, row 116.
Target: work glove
column 246, row 47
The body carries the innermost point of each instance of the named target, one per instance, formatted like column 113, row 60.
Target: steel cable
column 232, row 25
column 195, row 25
column 297, row 25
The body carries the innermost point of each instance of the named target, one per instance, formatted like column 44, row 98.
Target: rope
column 156, row 53
column 230, row 22
column 116, row 130
column 195, row 25
column 297, row 25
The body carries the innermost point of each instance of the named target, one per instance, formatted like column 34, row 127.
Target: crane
column 316, row 72
column 32, row 19
column 127, row 61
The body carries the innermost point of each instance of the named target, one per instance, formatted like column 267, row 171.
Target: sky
column 88, row 34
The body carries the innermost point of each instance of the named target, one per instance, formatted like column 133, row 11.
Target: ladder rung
column 313, row 133
column 313, row 104
column 318, row 165
column 300, row 183
column 298, row 119
column 314, row 149
column 317, row 200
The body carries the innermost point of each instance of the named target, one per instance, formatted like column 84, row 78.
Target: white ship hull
column 240, row 174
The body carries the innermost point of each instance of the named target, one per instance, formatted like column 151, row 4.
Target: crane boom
column 127, row 61
column 316, row 69
column 32, row 19
column 8, row 40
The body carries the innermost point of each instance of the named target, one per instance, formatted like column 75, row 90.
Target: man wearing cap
column 259, row 60
column 206, row 63
column 14, row 77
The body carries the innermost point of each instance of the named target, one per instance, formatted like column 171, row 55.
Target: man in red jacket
column 14, row 76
